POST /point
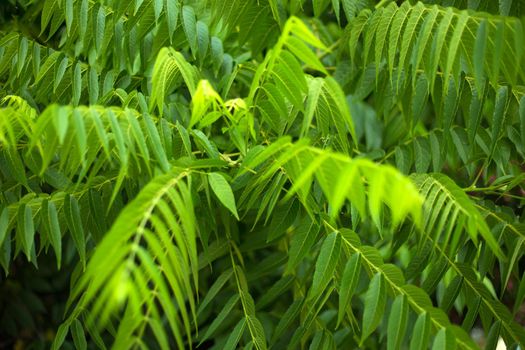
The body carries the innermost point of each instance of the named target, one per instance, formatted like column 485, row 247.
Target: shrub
column 286, row 174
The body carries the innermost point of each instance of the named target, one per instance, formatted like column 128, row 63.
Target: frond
column 480, row 301
column 411, row 38
column 280, row 87
column 448, row 212
column 252, row 20
column 93, row 135
column 387, row 281
column 169, row 67
column 155, row 265
column 363, row 182
column 502, row 7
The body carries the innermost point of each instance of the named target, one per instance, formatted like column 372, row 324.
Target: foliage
column 255, row 174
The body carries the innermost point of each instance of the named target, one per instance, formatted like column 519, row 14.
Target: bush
column 286, row 174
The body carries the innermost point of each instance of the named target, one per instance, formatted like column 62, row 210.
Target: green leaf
column 50, row 218
column 421, row 332
column 203, row 39
column 4, row 224
column 235, row 335
column 79, row 339
column 351, row 274
column 493, row 336
column 396, row 27
column 314, row 91
column 387, row 16
column 444, row 340
column 25, row 220
column 80, row 133
column 157, row 8
column 522, row 119
column 68, row 15
column 5, row 253
column 22, row 54
column 60, row 336
column 438, row 43
column 459, row 27
column 319, row 6
column 451, row 293
column 190, row 27
column 304, row 53
column 60, row 70
column 223, row 191
column 282, row 218
column 422, row 156
column 375, row 302
column 472, row 313
column 479, row 54
column 504, row 7
column 99, row 27
column 217, row 53
column 287, row 318
column 226, row 310
column 172, row 16
column 520, row 297
column 326, row 263
column 159, row 333
column 154, row 139
column 409, row 34
column 93, row 86
column 76, row 228
column 423, row 38
column 497, row 52
column 397, row 322
column 498, row 117
column 83, row 18
column 289, row 79
column 302, row 241
column 275, row 291
column 204, row 142
column 214, row 289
